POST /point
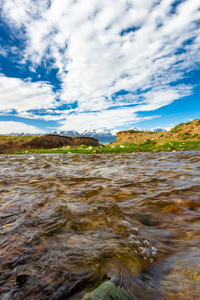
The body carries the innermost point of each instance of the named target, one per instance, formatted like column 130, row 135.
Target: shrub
column 198, row 122
column 185, row 136
column 176, row 128
column 132, row 131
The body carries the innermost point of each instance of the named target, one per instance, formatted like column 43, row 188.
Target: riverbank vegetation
column 185, row 136
column 147, row 146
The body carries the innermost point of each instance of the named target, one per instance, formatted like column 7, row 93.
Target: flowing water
column 113, row 226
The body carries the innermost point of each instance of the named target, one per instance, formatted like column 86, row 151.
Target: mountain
column 156, row 129
column 136, row 129
column 71, row 133
column 23, row 134
column 103, row 135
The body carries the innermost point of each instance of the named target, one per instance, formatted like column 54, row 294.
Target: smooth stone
column 108, row 290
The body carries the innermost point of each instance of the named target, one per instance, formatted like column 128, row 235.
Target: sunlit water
column 71, row 221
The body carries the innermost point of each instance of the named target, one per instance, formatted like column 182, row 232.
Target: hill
column 184, row 131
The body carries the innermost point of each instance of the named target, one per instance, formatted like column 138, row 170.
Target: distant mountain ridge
column 156, row 129
column 103, row 135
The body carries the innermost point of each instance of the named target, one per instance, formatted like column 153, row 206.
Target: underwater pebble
column 154, row 251
column 135, row 229
column 126, row 224
column 146, row 243
column 33, row 181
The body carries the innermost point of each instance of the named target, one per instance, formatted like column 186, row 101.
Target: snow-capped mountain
column 156, row 129
column 100, row 131
column 137, row 129
column 23, row 134
column 71, row 133
column 103, row 135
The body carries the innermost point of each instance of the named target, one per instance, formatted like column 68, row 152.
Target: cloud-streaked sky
column 82, row 64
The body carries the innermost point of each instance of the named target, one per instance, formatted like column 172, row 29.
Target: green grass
column 19, row 138
column 148, row 146
column 184, row 136
column 175, row 129
column 195, row 136
column 22, row 138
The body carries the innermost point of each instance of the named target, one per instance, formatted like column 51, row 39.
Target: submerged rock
column 108, row 290
column 144, row 219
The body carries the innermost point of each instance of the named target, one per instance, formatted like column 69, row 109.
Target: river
column 113, row 226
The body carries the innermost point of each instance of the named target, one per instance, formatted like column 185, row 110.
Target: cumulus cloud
column 7, row 127
column 20, row 95
column 103, row 47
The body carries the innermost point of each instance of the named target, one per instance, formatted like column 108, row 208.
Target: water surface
column 77, row 226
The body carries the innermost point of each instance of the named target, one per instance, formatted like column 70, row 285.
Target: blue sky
column 82, row 64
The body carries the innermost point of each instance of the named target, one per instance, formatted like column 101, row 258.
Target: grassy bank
column 148, row 146
column 17, row 138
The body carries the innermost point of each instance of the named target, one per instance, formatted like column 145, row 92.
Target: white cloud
column 120, row 116
column 7, row 127
column 103, row 119
column 95, row 61
column 3, row 51
column 19, row 95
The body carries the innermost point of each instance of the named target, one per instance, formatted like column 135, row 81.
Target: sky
column 91, row 64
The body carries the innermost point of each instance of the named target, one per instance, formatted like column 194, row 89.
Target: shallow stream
column 113, row 226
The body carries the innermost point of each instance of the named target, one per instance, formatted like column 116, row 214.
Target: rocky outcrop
column 57, row 141
column 47, row 141
column 88, row 141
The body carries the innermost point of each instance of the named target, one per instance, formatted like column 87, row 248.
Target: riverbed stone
column 108, row 290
